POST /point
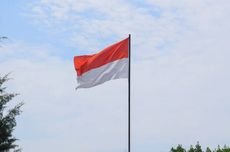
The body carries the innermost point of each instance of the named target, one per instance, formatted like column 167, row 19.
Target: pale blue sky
column 180, row 73
column 16, row 25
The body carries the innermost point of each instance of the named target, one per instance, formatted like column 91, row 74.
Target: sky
column 179, row 74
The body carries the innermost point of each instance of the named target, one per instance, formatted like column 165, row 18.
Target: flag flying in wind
column 110, row 63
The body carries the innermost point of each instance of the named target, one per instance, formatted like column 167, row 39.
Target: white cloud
column 105, row 19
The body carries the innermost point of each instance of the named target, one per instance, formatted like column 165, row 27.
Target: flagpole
column 129, row 103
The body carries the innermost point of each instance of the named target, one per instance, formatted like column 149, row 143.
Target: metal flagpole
column 129, row 115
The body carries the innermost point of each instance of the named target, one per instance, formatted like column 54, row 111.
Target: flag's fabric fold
column 110, row 63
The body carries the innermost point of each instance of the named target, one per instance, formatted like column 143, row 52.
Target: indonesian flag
column 110, row 63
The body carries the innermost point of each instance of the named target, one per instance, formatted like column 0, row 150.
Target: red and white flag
column 110, row 63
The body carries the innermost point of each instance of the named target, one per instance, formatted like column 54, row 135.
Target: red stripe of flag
column 112, row 53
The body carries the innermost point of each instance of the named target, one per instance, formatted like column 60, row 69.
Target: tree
column 208, row 149
column 198, row 148
column 218, row 149
column 178, row 149
column 226, row 149
column 191, row 149
column 7, row 118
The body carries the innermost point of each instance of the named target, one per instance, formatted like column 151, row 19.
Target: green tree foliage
column 198, row 148
column 191, row 149
column 7, row 118
column 208, row 149
column 218, row 149
column 226, row 149
column 178, row 149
